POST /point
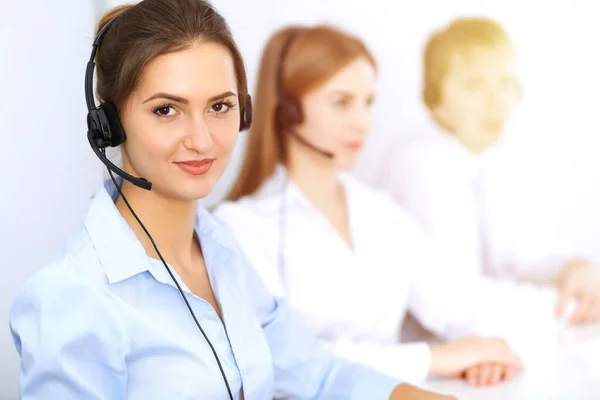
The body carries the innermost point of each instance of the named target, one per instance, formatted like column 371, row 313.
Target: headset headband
column 89, row 71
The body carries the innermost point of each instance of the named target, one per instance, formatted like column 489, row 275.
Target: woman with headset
column 151, row 298
column 344, row 255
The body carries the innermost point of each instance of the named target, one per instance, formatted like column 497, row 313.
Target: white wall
column 46, row 169
column 48, row 173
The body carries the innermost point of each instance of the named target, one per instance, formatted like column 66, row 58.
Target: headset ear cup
column 295, row 111
column 279, row 117
column 117, row 133
column 246, row 117
column 95, row 127
column 288, row 113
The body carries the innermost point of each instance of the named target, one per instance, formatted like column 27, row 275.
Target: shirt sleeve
column 537, row 249
column 409, row 362
column 449, row 295
column 453, row 306
column 70, row 344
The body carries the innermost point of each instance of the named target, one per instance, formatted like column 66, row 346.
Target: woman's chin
column 191, row 191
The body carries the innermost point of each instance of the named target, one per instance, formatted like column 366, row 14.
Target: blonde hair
column 295, row 61
column 462, row 34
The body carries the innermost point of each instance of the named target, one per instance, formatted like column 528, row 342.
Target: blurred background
column 48, row 172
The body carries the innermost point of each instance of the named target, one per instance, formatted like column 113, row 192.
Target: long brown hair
column 312, row 56
column 151, row 28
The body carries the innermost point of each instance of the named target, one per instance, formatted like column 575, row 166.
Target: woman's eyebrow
column 183, row 100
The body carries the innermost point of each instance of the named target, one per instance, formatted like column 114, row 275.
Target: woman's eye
column 219, row 108
column 165, row 111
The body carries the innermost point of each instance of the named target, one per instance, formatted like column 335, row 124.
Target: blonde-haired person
column 457, row 178
column 344, row 255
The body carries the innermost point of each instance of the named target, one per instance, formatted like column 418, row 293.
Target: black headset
column 288, row 112
column 105, row 130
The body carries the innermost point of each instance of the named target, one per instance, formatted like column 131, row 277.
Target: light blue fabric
column 105, row 321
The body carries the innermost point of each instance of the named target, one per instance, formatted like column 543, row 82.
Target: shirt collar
column 279, row 185
column 119, row 250
column 475, row 163
column 452, row 142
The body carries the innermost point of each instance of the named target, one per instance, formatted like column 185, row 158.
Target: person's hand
column 452, row 358
column 487, row 374
column 409, row 392
column 579, row 281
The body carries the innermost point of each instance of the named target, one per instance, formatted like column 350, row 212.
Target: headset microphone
column 311, row 146
column 101, row 154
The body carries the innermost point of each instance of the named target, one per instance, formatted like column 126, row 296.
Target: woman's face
column 478, row 94
column 182, row 121
column 337, row 115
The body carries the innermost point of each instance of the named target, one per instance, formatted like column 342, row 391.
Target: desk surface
column 569, row 371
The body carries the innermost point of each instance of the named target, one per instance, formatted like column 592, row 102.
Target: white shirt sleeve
column 409, row 362
column 534, row 246
column 455, row 305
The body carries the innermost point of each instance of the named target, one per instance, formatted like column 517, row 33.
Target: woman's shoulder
column 247, row 209
column 75, row 265
column 243, row 211
column 377, row 201
column 426, row 153
column 263, row 203
column 247, row 222
column 71, row 287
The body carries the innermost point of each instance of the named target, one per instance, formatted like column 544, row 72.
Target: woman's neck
column 170, row 223
column 318, row 181
column 316, row 176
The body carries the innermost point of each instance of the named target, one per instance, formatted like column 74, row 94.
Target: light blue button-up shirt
column 105, row 321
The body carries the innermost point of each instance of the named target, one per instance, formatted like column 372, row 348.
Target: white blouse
column 355, row 298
